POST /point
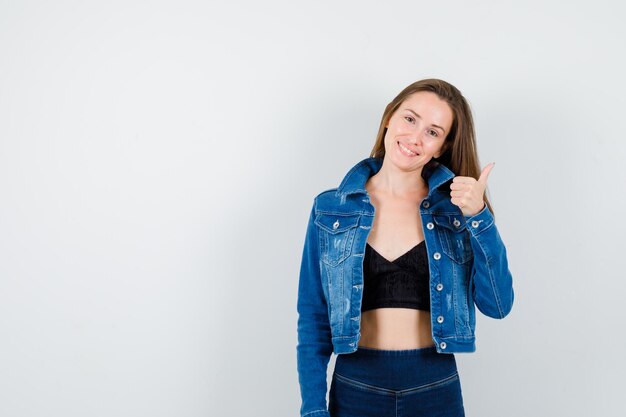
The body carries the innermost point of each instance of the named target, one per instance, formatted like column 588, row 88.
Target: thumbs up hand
column 467, row 192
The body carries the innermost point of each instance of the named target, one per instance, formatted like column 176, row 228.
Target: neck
column 398, row 183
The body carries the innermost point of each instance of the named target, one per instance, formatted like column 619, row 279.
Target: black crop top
column 401, row 283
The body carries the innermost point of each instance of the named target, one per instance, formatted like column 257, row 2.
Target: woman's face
column 420, row 125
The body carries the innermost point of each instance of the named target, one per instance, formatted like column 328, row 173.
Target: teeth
column 407, row 150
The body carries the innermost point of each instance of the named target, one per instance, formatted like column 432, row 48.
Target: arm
column 314, row 336
column 491, row 280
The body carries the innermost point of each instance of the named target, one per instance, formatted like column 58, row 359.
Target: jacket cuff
column 480, row 221
column 317, row 413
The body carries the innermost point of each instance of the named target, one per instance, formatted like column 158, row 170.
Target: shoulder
column 326, row 198
column 326, row 193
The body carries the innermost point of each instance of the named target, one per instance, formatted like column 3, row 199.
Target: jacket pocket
column 454, row 238
column 336, row 236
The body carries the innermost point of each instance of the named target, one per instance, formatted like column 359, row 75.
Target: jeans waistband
column 429, row 350
column 396, row 369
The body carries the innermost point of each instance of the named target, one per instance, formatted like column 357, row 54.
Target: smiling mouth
column 406, row 151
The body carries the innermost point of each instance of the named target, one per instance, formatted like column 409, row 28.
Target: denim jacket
column 467, row 263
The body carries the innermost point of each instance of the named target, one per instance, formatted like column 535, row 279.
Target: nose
column 415, row 138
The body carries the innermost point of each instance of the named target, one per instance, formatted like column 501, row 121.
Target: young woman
column 395, row 259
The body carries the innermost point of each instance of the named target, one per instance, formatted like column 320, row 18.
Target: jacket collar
column 435, row 173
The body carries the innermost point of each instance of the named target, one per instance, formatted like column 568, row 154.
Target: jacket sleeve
column 314, row 337
column 491, row 281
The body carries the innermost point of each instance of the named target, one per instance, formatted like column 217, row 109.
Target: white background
column 158, row 161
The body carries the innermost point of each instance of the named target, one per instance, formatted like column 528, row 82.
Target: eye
column 435, row 133
column 409, row 119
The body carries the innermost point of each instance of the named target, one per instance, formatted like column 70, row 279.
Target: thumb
column 485, row 173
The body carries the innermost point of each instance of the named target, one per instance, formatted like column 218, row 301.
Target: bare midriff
column 395, row 328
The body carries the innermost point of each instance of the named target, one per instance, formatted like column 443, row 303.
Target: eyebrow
column 417, row 115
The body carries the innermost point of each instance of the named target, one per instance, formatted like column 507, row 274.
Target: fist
column 467, row 192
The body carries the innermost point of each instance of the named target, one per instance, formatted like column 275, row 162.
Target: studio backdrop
column 158, row 162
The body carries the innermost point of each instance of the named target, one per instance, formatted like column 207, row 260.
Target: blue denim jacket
column 467, row 262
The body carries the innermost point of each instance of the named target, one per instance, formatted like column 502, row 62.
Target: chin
column 404, row 164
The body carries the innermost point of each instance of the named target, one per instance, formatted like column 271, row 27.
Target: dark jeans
column 395, row 383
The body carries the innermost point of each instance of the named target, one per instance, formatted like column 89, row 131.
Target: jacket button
column 442, row 345
column 437, row 255
column 430, row 226
column 456, row 223
column 474, row 223
column 440, row 319
column 426, row 204
column 336, row 224
column 439, row 286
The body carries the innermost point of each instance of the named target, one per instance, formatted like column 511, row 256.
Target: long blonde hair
column 459, row 149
